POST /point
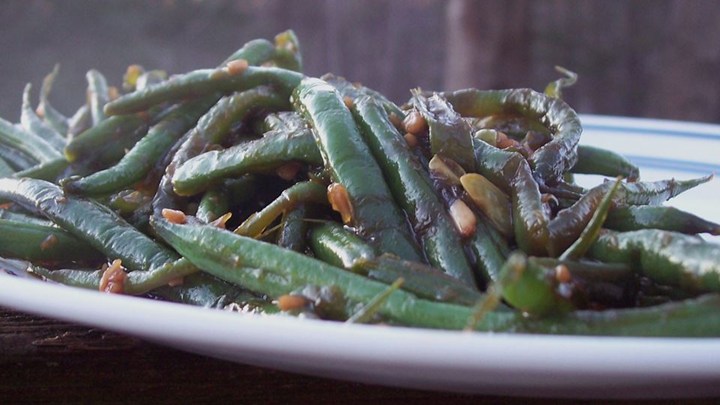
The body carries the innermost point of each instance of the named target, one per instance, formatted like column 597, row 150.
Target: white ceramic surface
column 527, row 365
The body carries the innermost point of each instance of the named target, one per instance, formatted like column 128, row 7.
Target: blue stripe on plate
column 680, row 165
column 652, row 131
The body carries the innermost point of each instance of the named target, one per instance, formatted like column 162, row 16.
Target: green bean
column 275, row 271
column 449, row 134
column 366, row 313
column 265, row 154
column 565, row 228
column 215, row 125
column 49, row 170
column 37, row 242
column 333, row 244
column 497, row 165
column 294, row 228
column 554, row 89
column 553, row 159
column 34, row 124
column 24, row 217
column 213, row 204
column 97, row 95
column 634, row 218
column 530, row 221
column 531, row 288
column 135, row 282
column 138, row 162
column 657, row 192
column 304, row 192
column 29, row 143
column 412, row 188
column 17, row 159
column 339, row 247
column 201, row 289
column 666, row 257
column 51, row 116
column 592, row 160
column 489, row 251
column 202, row 83
column 350, row 162
column 80, row 122
column 88, row 221
column 110, row 131
column 592, row 229
column 287, row 51
column 355, row 90
column 5, row 169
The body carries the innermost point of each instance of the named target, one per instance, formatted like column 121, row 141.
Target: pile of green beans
column 253, row 187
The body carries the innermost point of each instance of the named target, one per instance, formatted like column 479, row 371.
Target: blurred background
column 648, row 58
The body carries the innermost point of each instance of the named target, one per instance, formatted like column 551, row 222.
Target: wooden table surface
column 44, row 360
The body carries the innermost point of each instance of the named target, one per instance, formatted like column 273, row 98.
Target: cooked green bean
column 202, row 83
column 88, row 221
column 26, row 142
column 97, row 95
column 51, row 116
column 554, row 158
column 44, row 243
column 265, row 154
column 34, row 124
column 143, row 156
column 667, row 257
column 592, row 160
column 412, row 188
column 363, row 210
column 634, row 218
column 352, row 166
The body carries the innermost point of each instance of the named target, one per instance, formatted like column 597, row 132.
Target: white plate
column 497, row 364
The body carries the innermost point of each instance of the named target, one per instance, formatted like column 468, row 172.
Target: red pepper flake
column 113, row 278
column 349, row 103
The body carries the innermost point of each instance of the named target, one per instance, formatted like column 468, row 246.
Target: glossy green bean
column 530, row 222
column 274, row 271
column 294, row 228
column 28, row 143
column 350, row 163
column 88, row 221
column 449, row 134
column 592, row 229
column 97, row 95
column 634, row 218
column 5, row 169
column 593, row 160
column 138, row 162
column 412, row 188
column 666, row 257
column 202, row 83
column 553, row 159
column 35, row 125
column 258, row 156
column 51, row 116
column 37, row 242
column 49, row 170
column 303, row 192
